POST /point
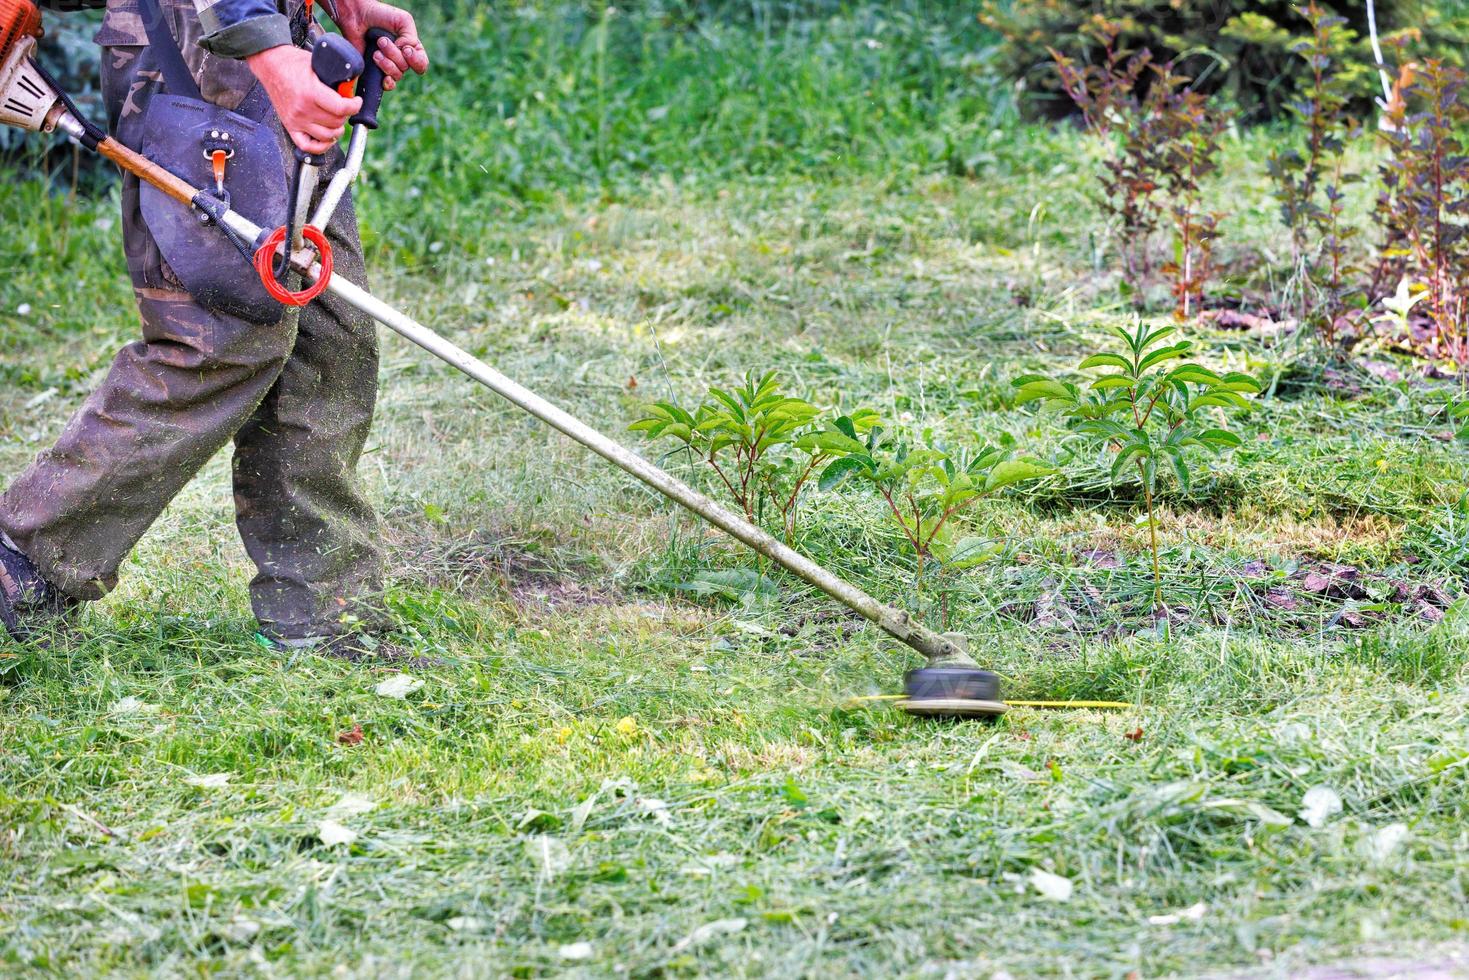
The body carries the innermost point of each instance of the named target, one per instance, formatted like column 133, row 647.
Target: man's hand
column 357, row 17
column 314, row 116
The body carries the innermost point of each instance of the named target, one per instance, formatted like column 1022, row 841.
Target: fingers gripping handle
column 370, row 87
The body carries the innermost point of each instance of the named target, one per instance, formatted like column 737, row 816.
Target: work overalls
column 296, row 398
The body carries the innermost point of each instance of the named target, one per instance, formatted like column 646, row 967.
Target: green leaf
column 969, row 552
column 830, row 441
column 1193, row 374
column 1180, row 467
column 844, row 469
column 674, row 412
column 1126, row 454
column 1219, row 397
column 736, row 410
column 1045, row 388
column 1104, row 429
column 1149, row 339
column 1013, row 471
column 1179, row 349
column 1220, row 437
column 1105, row 360
column 732, row 584
column 1237, row 381
column 1113, row 381
column 984, row 460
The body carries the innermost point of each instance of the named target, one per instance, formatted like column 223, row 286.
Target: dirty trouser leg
column 299, row 503
column 169, row 403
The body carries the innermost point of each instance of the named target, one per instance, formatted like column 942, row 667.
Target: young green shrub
column 1423, row 207
column 1164, row 139
column 925, row 487
column 1309, row 178
column 1151, row 413
column 758, row 441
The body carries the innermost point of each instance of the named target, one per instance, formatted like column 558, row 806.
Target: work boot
column 28, row 602
column 351, row 647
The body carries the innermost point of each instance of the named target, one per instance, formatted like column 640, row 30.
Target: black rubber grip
column 335, row 60
column 370, row 85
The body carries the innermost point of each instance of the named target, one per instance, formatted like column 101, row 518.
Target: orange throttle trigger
column 336, row 63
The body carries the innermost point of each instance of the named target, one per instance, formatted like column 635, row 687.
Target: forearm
column 241, row 28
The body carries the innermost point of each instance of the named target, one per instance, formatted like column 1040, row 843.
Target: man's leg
column 299, row 503
column 169, row 403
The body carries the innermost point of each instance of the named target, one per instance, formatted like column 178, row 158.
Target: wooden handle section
column 146, row 170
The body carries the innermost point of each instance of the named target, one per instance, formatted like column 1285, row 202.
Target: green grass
column 602, row 767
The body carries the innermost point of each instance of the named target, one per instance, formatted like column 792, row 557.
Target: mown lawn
column 603, row 773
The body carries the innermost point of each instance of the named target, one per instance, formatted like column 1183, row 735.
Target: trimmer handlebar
column 370, row 85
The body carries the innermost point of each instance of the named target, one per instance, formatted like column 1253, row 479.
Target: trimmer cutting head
column 952, row 692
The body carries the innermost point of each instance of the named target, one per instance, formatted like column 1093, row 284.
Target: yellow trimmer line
column 1049, row 705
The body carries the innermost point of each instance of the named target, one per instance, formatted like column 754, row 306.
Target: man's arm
column 314, row 115
column 241, row 28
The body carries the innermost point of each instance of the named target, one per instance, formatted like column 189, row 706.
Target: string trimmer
column 951, row 684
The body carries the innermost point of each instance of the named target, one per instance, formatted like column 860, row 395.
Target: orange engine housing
column 18, row 19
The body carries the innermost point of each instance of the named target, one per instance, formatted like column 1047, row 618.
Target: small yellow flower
column 1382, row 466
column 562, row 734
column 627, row 726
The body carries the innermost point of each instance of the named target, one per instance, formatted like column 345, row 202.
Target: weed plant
column 1149, row 413
column 762, row 444
column 1425, row 200
column 1165, row 141
column 1310, row 180
column 925, row 487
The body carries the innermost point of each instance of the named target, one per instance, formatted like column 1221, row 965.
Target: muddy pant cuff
column 56, row 576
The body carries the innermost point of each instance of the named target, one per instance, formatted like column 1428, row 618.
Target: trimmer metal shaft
column 939, row 650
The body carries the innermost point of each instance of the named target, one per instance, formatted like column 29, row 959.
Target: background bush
column 1238, row 48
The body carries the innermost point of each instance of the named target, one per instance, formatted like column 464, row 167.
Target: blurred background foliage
column 1239, row 49
column 537, row 97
